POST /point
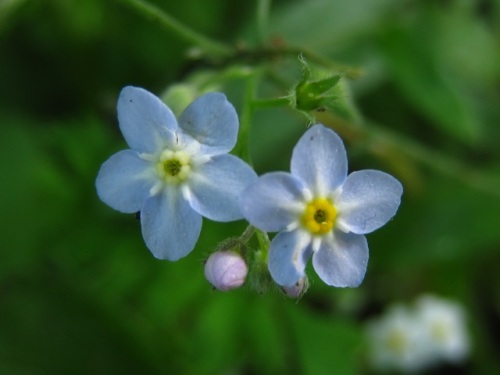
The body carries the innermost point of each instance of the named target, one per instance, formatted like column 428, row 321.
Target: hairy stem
column 242, row 148
column 272, row 102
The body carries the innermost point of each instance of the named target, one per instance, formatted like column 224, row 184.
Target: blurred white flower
column 445, row 328
column 412, row 339
column 395, row 341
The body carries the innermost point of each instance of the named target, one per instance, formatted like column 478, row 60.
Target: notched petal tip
column 216, row 187
column 342, row 261
column 213, row 122
column 319, row 159
column 369, row 199
column 145, row 121
column 273, row 201
column 170, row 227
column 124, row 181
column 288, row 256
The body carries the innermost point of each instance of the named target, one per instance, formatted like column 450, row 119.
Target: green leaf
column 50, row 328
column 328, row 26
column 429, row 85
column 35, row 196
column 325, row 345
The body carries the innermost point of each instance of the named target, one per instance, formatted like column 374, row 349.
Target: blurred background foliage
column 79, row 291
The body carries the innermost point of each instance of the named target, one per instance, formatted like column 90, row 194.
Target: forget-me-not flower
column 321, row 212
column 444, row 324
column 396, row 340
column 175, row 172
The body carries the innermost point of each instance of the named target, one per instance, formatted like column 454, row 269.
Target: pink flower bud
column 226, row 270
column 298, row 289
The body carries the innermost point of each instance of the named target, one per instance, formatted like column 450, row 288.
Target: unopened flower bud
column 226, row 270
column 298, row 289
column 312, row 94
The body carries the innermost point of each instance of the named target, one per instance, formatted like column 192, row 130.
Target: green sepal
column 317, row 88
column 313, row 94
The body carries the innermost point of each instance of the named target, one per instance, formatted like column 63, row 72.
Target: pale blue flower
column 321, row 212
column 175, row 172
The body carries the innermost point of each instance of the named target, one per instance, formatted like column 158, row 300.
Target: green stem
column 309, row 55
column 154, row 13
column 247, row 234
column 268, row 53
column 264, row 243
column 271, row 102
column 242, row 148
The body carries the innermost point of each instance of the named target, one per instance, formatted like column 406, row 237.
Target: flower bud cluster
column 329, row 92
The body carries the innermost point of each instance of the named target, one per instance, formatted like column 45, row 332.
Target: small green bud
column 313, row 94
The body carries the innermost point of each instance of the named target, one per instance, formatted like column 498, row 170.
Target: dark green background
column 81, row 294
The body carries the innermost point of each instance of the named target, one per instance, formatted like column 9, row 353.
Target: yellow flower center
column 440, row 331
column 319, row 216
column 173, row 166
column 397, row 341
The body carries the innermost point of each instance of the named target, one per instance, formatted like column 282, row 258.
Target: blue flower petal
column 147, row 124
column 215, row 187
column 213, row 122
column 288, row 256
column 369, row 199
column 274, row 201
column 124, row 181
column 341, row 261
column 170, row 226
column 320, row 160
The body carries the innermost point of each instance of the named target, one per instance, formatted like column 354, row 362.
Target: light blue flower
column 321, row 212
column 175, row 172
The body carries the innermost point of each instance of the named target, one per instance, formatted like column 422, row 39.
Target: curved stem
column 349, row 71
column 247, row 234
column 214, row 48
column 264, row 243
column 271, row 102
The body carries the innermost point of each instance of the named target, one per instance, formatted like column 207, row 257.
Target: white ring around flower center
column 173, row 166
